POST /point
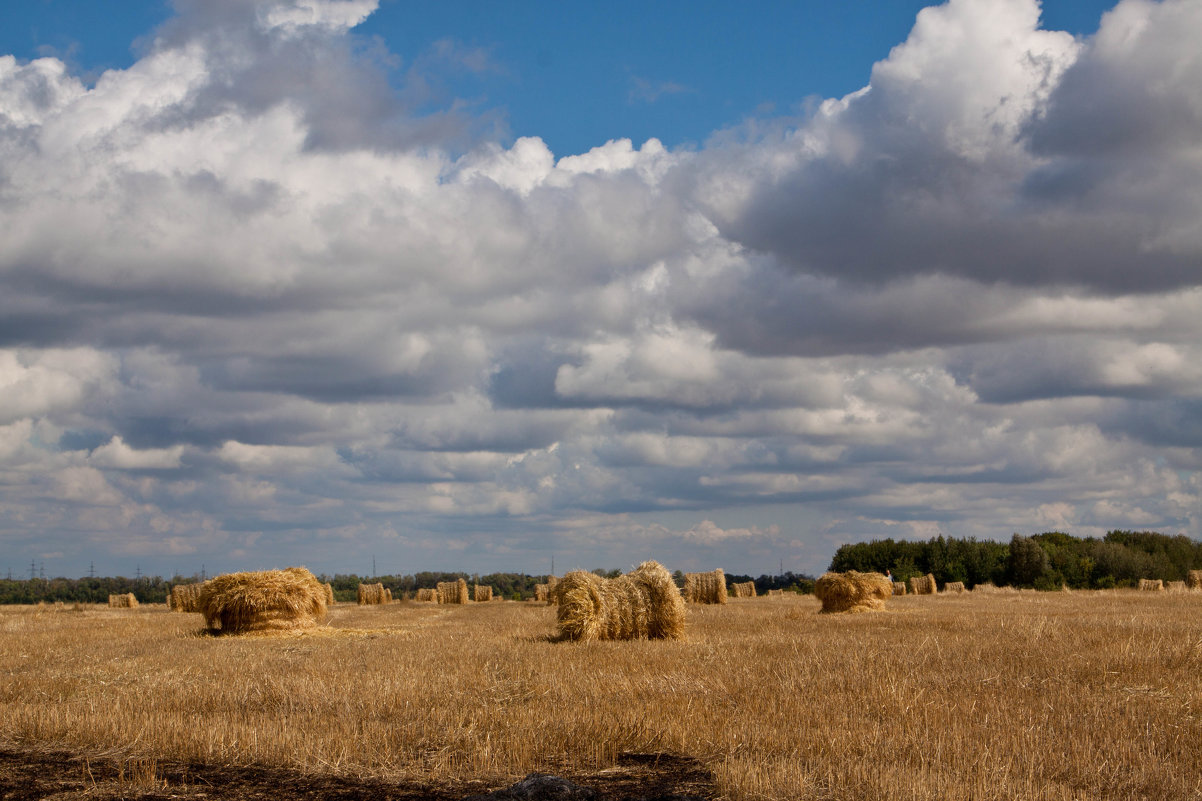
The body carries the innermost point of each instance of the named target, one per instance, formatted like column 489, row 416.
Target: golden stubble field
column 1083, row 695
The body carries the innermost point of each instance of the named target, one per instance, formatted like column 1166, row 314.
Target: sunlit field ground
column 1084, row 695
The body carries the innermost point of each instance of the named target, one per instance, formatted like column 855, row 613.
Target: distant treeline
column 1044, row 561
column 149, row 590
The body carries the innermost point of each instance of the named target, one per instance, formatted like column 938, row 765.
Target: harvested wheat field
column 1083, row 695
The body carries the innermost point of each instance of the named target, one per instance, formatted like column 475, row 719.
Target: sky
column 475, row 287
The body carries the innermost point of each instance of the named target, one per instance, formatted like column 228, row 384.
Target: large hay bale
column 899, row 588
column 852, row 591
column 371, row 594
column 923, row 585
column 1175, row 586
column 744, row 589
column 286, row 599
column 1151, row 585
column 481, row 592
column 426, row 595
column 183, row 597
column 1194, row 580
column 705, row 588
column 540, row 593
column 954, row 586
column 329, row 594
column 452, row 592
column 644, row 603
column 123, row 600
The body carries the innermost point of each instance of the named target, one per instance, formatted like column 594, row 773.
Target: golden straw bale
column 852, row 591
column 481, row 592
column 1152, row 585
column 705, row 588
column 387, row 595
column 644, row 603
column 1194, row 580
column 745, row 589
column 427, row 595
column 286, row 599
column 329, row 594
column 899, row 588
column 775, row 593
column 1175, row 586
column 954, row 586
column 923, row 585
column 540, row 592
column 452, row 592
column 183, row 597
column 124, row 600
column 371, row 594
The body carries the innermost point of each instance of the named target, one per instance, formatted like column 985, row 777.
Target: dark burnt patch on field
column 34, row 775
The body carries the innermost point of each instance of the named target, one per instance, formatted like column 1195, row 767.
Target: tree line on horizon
column 1048, row 561
column 154, row 589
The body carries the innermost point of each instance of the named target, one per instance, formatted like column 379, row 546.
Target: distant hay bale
column 427, row 595
column 1175, row 586
column 775, row 593
column 329, row 594
column 644, row 603
column 540, row 592
column 123, row 600
column 899, row 588
column 481, row 592
column 954, row 586
column 371, row 594
column 452, row 592
column 1151, row 585
column 852, row 591
column 183, row 597
column 705, row 588
column 287, row 599
column 745, row 589
column 923, row 585
column 1194, row 580
column 387, row 595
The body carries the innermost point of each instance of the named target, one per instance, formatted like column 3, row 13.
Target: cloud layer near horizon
column 257, row 307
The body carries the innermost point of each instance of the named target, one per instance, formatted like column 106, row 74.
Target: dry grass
column 124, row 600
column 853, row 591
column 988, row 696
column 644, row 603
column 705, row 588
column 452, row 592
column 265, row 600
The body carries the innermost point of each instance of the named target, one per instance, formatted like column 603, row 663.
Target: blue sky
column 462, row 287
column 576, row 75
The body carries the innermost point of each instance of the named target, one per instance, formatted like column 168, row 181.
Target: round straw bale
column 452, row 592
column 954, row 586
column 371, row 594
column 644, row 603
column 184, row 597
column 923, row 585
column 852, row 591
column 481, row 592
column 265, row 600
column 1154, row 585
column 329, row 594
column 899, row 588
column 1193, row 580
column 124, row 600
column 705, row 588
column 744, row 589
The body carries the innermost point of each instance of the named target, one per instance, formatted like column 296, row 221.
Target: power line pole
column 33, row 567
column 91, row 570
